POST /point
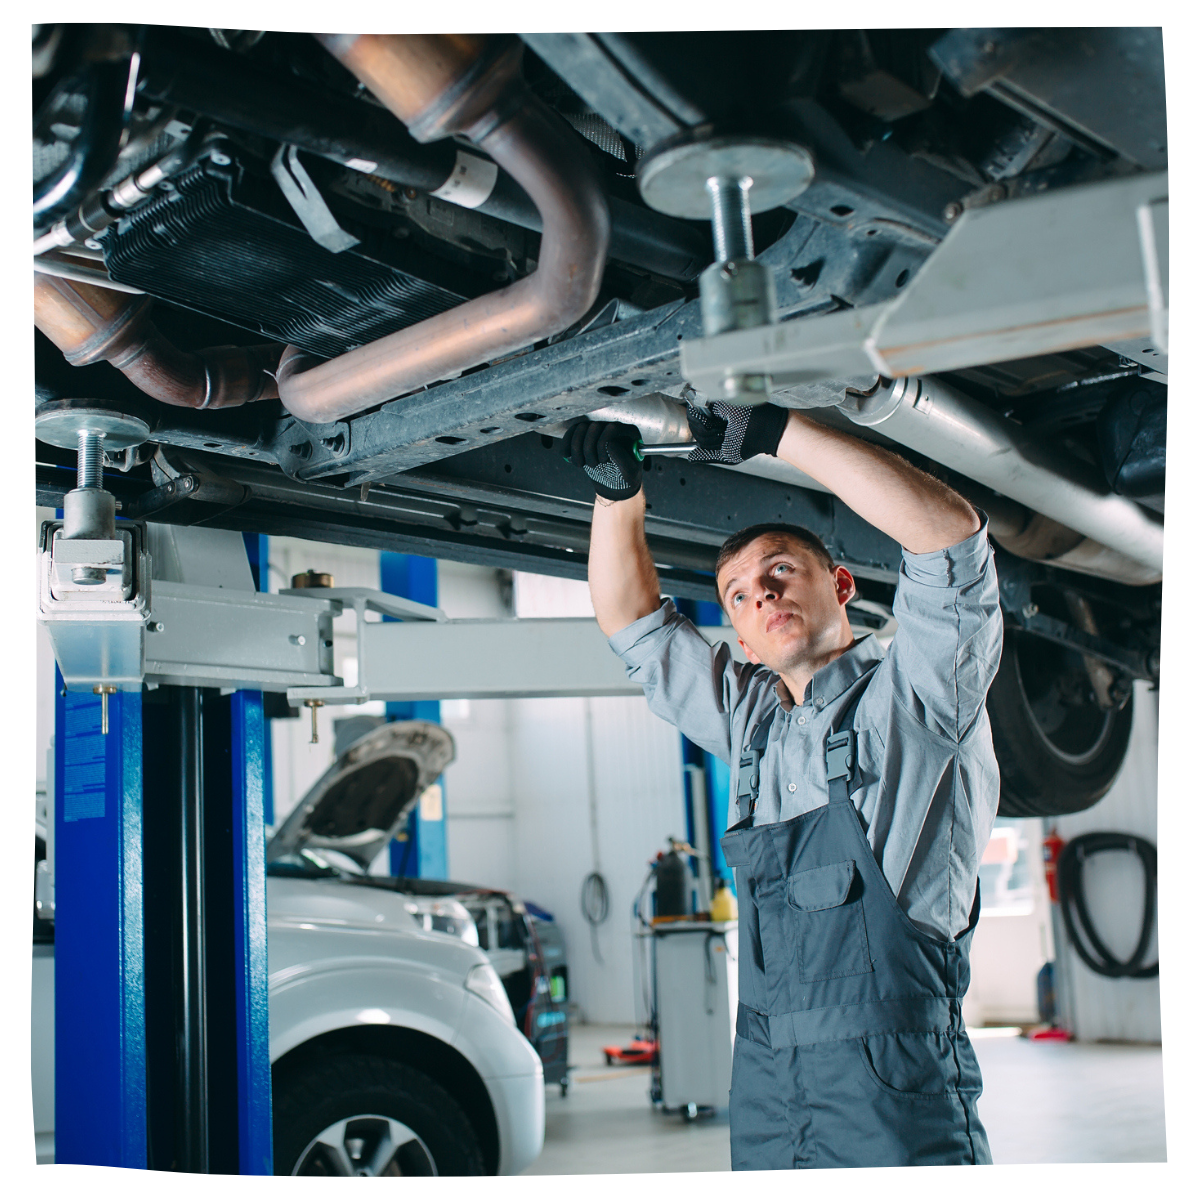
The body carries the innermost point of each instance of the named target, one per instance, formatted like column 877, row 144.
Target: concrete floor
column 1042, row 1102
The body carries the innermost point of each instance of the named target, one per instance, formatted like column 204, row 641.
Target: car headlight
column 485, row 983
column 439, row 914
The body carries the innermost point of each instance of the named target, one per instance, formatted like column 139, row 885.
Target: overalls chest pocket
column 813, row 928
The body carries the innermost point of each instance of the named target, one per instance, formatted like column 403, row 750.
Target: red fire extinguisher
column 1052, row 847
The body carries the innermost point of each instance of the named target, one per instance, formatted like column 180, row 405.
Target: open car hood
column 364, row 798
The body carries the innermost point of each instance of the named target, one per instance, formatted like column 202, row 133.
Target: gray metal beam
column 485, row 660
column 219, row 637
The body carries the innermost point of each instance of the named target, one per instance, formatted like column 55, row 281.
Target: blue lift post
column 161, row 1023
column 414, row 577
column 716, row 772
column 99, row 995
column 250, row 778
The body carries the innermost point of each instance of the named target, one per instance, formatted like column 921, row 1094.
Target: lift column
column 208, row 1070
column 99, row 995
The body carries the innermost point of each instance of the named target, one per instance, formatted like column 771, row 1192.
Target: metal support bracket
column 98, row 633
column 1014, row 280
column 307, row 202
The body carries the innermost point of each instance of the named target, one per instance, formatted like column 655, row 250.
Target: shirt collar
column 835, row 677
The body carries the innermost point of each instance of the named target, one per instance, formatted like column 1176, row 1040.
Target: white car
column 393, row 1045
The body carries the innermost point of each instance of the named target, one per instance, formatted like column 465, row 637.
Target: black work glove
column 732, row 433
column 604, row 449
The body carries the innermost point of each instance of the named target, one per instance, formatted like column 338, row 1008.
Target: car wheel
column 364, row 1115
column 1057, row 749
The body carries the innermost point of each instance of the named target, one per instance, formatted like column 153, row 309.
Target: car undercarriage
column 354, row 288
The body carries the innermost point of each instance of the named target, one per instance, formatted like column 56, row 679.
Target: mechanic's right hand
column 604, row 449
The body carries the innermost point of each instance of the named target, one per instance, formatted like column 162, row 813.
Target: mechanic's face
column 788, row 609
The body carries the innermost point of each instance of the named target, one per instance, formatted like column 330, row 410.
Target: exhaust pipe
column 440, row 85
column 95, row 324
column 928, row 416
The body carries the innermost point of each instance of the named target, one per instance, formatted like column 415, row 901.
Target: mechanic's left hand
column 732, row 433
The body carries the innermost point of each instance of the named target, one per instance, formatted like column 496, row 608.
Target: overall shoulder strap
column 839, row 753
column 748, row 766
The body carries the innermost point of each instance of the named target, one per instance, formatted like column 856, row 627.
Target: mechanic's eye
column 737, row 598
column 780, row 567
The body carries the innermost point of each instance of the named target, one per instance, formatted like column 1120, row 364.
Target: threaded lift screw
column 89, row 459
column 732, row 236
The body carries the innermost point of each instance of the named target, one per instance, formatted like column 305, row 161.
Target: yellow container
column 724, row 904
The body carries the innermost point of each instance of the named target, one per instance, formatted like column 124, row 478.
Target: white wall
column 479, row 794
column 518, row 797
column 1098, row 1008
column 638, row 789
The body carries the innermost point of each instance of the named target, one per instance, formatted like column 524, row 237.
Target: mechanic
column 865, row 790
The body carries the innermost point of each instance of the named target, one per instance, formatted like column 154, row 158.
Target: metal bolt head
column 952, row 212
column 219, row 159
column 1030, row 610
column 92, row 243
column 312, row 579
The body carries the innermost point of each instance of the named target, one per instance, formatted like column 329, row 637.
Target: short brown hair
column 735, row 544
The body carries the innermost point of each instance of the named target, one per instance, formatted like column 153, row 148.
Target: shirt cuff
column 625, row 641
column 957, row 565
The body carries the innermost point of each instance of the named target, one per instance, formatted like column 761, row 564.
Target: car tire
column 370, row 1102
column 1057, row 749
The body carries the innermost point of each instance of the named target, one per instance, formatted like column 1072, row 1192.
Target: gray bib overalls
column 850, row 1047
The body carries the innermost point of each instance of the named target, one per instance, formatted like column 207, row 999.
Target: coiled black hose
column 1083, row 936
column 593, row 901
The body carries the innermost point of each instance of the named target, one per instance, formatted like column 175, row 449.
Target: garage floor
column 1042, row 1102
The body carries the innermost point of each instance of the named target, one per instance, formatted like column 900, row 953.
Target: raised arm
column 920, row 512
column 621, row 574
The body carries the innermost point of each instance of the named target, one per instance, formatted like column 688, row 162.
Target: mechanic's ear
column 749, row 653
column 844, row 582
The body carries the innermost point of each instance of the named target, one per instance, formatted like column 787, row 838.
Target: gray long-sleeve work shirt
column 927, row 786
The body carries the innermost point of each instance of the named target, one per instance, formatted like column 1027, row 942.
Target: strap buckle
column 839, row 755
column 748, row 770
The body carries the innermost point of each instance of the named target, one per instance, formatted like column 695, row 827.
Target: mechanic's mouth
column 778, row 619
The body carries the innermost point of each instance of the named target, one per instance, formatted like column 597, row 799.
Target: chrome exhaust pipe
column 960, row 433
